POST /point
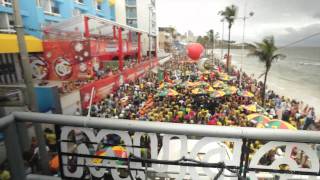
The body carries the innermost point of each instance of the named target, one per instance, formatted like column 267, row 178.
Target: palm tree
column 266, row 52
column 229, row 14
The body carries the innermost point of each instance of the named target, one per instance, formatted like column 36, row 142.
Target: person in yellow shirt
column 170, row 114
column 4, row 174
column 180, row 115
column 51, row 139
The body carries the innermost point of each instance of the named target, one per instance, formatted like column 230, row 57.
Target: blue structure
column 37, row 13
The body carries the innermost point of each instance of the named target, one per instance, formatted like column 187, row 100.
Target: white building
column 142, row 15
column 190, row 37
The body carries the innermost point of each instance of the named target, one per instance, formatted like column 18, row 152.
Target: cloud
column 317, row 15
column 281, row 18
column 300, row 34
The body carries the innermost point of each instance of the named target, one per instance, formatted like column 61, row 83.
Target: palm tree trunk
column 264, row 88
column 228, row 57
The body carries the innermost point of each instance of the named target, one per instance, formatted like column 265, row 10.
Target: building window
column 50, row 6
column 7, row 3
column 153, row 2
column 11, row 21
column 131, row 12
column 6, row 22
column 132, row 22
column 54, row 7
column 98, row 4
column 131, row 2
column 79, row 1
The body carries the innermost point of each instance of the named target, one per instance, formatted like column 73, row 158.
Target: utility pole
column 30, row 97
column 150, row 9
column 222, row 40
column 243, row 38
column 212, row 38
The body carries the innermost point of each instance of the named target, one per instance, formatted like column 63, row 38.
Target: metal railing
column 232, row 146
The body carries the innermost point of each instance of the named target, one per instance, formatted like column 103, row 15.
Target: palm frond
column 229, row 14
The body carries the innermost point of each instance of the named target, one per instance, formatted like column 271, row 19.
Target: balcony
column 79, row 2
column 140, row 149
column 131, row 16
column 131, row 3
column 6, row 3
column 50, row 7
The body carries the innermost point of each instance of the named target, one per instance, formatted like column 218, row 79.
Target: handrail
column 171, row 128
column 7, row 125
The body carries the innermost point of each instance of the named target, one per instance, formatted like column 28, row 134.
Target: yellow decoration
column 112, row 2
column 9, row 43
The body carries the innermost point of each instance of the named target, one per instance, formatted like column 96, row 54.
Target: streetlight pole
column 222, row 39
column 212, row 37
column 30, row 96
column 242, row 48
column 150, row 9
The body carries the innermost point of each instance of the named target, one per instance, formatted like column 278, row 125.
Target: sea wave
column 309, row 64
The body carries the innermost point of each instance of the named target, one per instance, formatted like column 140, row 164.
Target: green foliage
column 230, row 14
column 266, row 52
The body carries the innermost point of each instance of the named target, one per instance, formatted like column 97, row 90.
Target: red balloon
column 194, row 51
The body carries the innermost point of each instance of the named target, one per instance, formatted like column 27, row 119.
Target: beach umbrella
column 251, row 107
column 202, row 84
column 209, row 89
column 277, row 124
column 258, row 118
column 172, row 92
column 230, row 90
column 218, row 84
column 217, row 94
column 163, row 93
column 245, row 94
column 191, row 84
column 165, row 85
column 167, row 92
column 206, row 72
column 224, row 77
column 198, row 91
column 118, row 151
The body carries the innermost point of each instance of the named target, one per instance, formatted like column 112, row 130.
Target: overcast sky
column 287, row 20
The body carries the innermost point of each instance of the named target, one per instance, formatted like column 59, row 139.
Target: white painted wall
column 143, row 15
column 142, row 19
column 120, row 8
column 70, row 102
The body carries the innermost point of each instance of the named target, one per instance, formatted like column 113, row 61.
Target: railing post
column 139, row 48
column 246, row 164
column 243, row 152
column 86, row 27
column 58, row 137
column 114, row 32
column 14, row 153
column 120, row 49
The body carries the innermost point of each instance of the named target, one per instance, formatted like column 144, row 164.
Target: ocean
column 297, row 76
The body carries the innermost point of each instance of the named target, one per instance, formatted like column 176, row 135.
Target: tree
column 203, row 40
column 266, row 52
column 210, row 35
column 229, row 14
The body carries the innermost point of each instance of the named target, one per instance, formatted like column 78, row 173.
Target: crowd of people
column 149, row 99
column 140, row 100
column 32, row 158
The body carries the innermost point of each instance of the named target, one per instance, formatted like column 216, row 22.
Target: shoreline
column 275, row 88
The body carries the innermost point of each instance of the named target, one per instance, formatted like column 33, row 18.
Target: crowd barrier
column 109, row 84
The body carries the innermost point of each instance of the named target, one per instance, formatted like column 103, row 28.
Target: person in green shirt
column 5, row 174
